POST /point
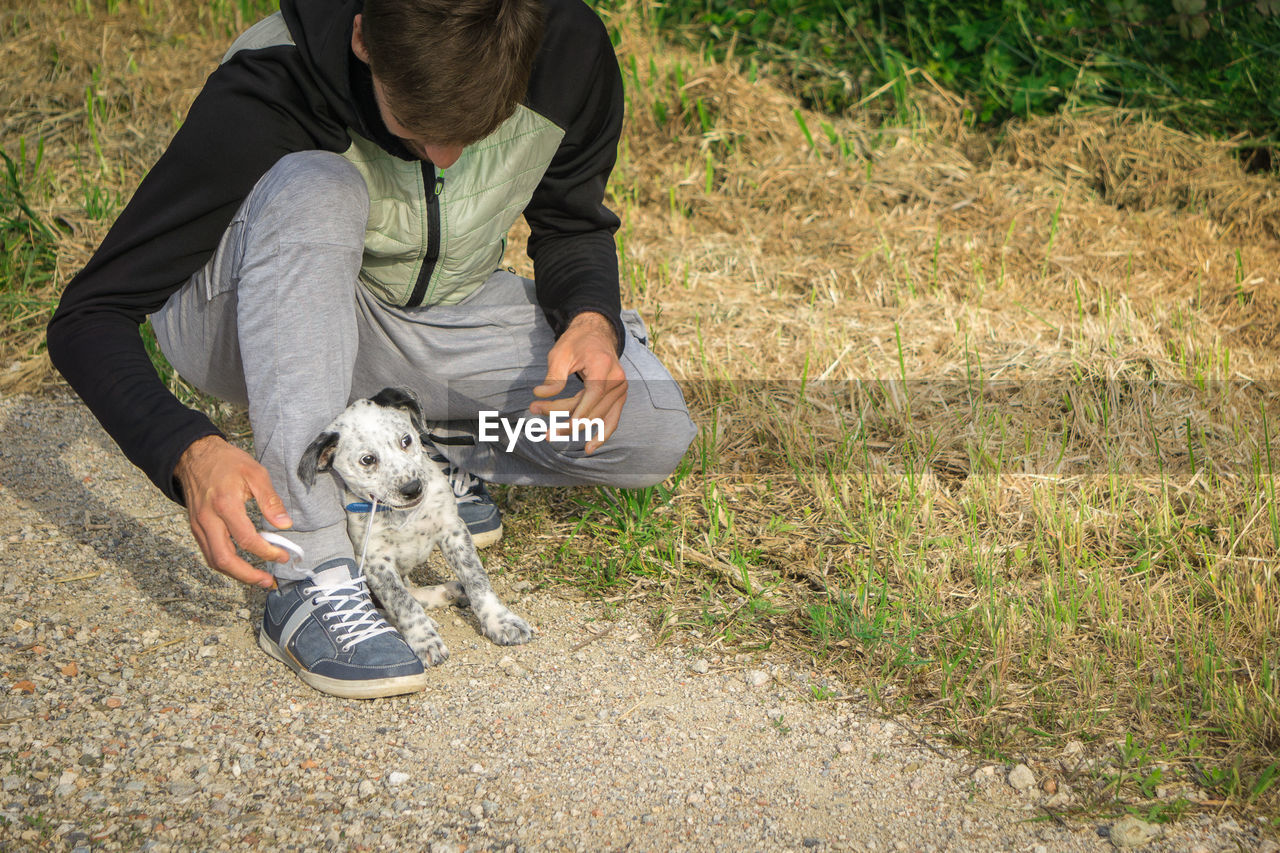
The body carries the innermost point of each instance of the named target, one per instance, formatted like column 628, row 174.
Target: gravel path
column 138, row 711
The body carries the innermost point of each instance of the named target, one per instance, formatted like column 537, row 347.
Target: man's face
column 442, row 155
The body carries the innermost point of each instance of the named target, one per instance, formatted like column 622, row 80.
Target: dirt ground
column 138, row 712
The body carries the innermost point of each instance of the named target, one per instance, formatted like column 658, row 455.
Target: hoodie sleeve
column 251, row 112
column 577, row 84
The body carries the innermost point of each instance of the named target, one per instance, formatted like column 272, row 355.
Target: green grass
column 1211, row 69
column 28, row 244
column 1117, row 606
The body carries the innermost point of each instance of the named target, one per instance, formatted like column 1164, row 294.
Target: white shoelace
column 358, row 621
column 461, row 481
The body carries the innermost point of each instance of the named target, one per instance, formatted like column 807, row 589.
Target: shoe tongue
column 333, row 573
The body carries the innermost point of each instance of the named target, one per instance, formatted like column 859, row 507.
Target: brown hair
column 452, row 70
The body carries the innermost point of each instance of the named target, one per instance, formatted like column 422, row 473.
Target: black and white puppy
column 375, row 448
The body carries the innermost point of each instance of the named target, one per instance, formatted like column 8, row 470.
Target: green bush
column 1212, row 69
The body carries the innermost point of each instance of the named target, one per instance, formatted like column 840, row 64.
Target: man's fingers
column 611, row 419
column 558, row 370
column 550, row 386
column 249, row 539
column 565, row 404
column 589, row 401
column 271, row 504
column 600, row 399
column 220, row 554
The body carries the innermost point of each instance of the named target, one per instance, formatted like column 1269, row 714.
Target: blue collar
column 365, row 506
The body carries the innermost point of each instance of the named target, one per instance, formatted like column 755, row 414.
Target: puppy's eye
column 368, row 460
column 406, row 441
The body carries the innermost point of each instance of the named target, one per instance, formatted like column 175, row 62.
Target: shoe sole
column 488, row 537
column 373, row 688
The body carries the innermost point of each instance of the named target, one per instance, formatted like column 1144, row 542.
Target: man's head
column 447, row 72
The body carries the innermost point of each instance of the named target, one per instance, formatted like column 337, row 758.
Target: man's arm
column 576, row 83
column 249, row 114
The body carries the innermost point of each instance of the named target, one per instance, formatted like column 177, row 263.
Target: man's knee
column 644, row 463
column 313, row 197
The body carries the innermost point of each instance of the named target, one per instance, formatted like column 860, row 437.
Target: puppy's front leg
column 405, row 613
column 496, row 621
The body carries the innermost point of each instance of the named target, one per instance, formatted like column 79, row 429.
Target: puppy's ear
column 401, row 398
column 317, row 457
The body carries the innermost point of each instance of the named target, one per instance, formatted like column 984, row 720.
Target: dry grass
column 987, row 422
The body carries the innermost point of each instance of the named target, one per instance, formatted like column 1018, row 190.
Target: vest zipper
column 436, row 182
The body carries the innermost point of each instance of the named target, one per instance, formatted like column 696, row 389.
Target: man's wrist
column 591, row 319
column 597, row 321
column 194, row 451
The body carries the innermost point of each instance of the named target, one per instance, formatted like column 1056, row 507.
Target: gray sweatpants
column 276, row 321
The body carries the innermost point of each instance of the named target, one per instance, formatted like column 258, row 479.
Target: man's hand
column 588, row 348
column 217, row 479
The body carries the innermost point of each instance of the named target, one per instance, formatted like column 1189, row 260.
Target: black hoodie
column 263, row 104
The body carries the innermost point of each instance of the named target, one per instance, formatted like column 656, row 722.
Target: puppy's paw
column 425, row 641
column 440, row 595
column 431, row 651
column 507, row 629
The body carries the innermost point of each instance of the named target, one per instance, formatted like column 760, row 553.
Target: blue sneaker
column 326, row 630
column 475, row 506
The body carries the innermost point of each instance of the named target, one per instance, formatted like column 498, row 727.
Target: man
column 327, row 222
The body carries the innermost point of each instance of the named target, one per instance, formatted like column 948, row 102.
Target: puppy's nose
column 411, row 489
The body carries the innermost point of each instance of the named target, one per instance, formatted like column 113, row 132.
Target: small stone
column 700, row 666
column 1021, row 778
column 183, row 789
column 366, row 788
column 844, row 747
column 695, row 799
column 1072, row 749
column 1059, row 800
column 1049, row 785
column 757, row 678
column 512, row 669
column 477, row 811
column 477, row 769
column 395, row 778
column 1129, row 831
column 70, row 670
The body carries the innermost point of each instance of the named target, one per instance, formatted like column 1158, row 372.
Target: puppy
column 400, row 507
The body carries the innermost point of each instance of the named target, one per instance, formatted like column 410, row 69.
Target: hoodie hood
column 322, row 31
